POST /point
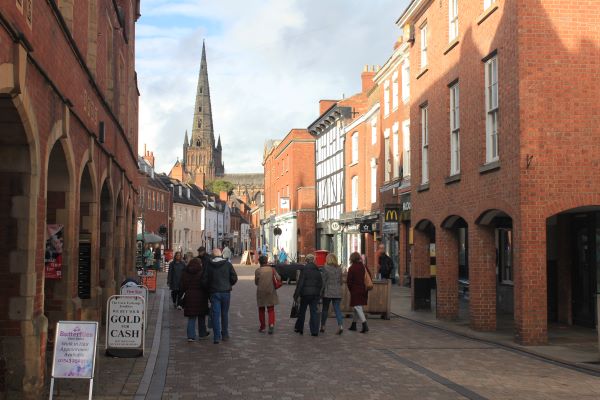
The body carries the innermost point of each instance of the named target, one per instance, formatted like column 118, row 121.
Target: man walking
column 308, row 291
column 219, row 278
column 174, row 279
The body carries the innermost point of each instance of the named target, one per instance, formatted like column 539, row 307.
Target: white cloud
column 269, row 63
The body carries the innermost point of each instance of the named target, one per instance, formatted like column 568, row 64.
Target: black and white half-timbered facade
column 328, row 131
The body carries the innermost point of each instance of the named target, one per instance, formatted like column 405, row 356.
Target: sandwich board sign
column 74, row 352
column 125, row 326
column 135, row 290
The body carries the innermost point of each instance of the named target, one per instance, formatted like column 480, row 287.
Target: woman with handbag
column 332, row 292
column 195, row 298
column 267, row 282
column 358, row 281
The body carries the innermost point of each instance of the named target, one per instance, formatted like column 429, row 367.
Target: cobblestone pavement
column 397, row 359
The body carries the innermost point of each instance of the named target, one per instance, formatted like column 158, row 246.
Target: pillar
column 482, row 278
column 403, row 249
column 421, row 261
column 447, row 274
column 563, row 270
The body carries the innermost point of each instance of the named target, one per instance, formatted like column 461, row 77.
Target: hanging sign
column 54, row 250
column 74, row 352
column 125, row 331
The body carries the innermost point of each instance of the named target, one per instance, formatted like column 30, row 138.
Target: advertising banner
column 125, row 326
column 54, row 250
column 75, row 349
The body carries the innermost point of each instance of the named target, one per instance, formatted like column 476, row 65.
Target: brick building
column 155, row 201
column 505, row 142
column 68, row 117
column 290, row 194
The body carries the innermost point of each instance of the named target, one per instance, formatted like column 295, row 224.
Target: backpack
column 386, row 266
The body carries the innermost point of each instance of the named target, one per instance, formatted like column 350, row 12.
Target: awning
column 149, row 238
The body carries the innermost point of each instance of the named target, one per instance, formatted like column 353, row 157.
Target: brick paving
column 397, row 359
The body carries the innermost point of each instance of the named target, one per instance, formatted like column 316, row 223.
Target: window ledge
column 423, row 72
column 353, row 164
column 423, row 188
column 452, row 179
column 486, row 14
column 452, row 45
column 489, row 167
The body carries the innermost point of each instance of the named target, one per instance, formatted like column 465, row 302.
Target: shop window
column 504, row 248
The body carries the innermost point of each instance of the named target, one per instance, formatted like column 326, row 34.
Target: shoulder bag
column 276, row 279
column 368, row 280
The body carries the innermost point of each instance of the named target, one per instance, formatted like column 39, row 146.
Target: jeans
column 313, row 302
column 220, row 314
column 336, row 307
column 191, row 327
column 261, row 316
column 359, row 314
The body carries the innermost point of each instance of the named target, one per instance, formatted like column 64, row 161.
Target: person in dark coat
column 202, row 255
column 176, row 268
column 308, row 290
column 196, row 298
column 359, row 294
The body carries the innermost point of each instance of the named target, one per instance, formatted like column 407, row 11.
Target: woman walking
column 332, row 292
column 358, row 291
column 266, row 294
column 195, row 301
column 174, row 279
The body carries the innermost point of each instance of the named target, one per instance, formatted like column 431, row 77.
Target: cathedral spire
column 202, row 128
column 186, row 141
column 219, row 143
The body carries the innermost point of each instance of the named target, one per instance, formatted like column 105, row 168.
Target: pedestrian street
column 397, row 359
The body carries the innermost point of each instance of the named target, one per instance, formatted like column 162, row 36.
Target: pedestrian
column 226, row 252
column 176, row 268
column 332, row 292
column 219, row 279
column 282, row 256
column 148, row 257
column 195, row 298
column 358, row 291
column 308, row 290
column 386, row 265
column 202, row 255
column 266, row 293
column 157, row 257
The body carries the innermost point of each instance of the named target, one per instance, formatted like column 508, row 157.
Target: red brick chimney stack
column 367, row 77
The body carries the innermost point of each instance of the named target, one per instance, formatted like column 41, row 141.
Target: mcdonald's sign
column 392, row 215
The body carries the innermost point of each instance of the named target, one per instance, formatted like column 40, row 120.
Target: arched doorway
column 107, row 271
column 87, row 238
column 452, row 267
column 424, row 265
column 58, row 274
column 22, row 327
column 491, row 271
column 573, row 266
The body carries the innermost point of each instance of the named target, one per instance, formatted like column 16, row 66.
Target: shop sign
column 390, row 227
column 392, row 214
column 366, row 228
column 354, row 228
column 284, row 203
column 54, row 250
column 125, row 326
column 137, row 290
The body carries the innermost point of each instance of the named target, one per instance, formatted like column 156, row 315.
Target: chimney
column 324, row 105
column 367, row 78
column 149, row 157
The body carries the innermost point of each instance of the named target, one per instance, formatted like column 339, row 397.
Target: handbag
column 368, row 280
column 276, row 280
column 294, row 310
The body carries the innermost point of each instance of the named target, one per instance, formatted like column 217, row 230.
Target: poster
column 54, row 250
column 125, row 323
column 75, row 349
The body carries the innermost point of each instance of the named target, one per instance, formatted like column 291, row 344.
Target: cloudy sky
column 269, row 63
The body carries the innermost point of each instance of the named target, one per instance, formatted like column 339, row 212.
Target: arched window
column 198, row 142
column 199, row 123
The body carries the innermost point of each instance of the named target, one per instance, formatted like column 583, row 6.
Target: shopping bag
column 294, row 310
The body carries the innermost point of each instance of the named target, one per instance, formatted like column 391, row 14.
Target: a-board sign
column 149, row 280
column 125, row 326
column 137, row 290
column 75, row 349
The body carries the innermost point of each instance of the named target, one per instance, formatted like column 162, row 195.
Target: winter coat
column 220, row 276
column 195, row 302
column 266, row 294
column 175, row 271
column 226, row 253
column 332, row 282
column 310, row 282
column 356, row 284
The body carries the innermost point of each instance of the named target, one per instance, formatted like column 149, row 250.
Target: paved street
column 396, row 359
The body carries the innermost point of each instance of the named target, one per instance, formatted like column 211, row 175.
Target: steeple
column 219, row 144
column 202, row 128
column 186, row 144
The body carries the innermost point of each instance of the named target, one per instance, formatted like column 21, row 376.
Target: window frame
column 424, row 144
column 454, row 129
column 395, row 91
column 354, row 199
column 395, row 151
column 452, row 20
column 492, row 152
column 405, row 66
column 374, row 130
column 386, row 98
column 487, row 4
column 406, row 149
column 424, row 60
column 373, row 180
column 354, row 148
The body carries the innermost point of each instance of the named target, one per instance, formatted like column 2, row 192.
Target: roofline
column 412, row 8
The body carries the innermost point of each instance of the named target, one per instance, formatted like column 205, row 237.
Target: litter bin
column 320, row 257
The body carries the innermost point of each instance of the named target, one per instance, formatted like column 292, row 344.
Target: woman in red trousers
column 266, row 294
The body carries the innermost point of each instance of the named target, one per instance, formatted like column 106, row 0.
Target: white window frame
column 452, row 20
column 405, row 81
column 374, row 131
column 354, row 183
column 386, row 98
column 373, row 180
column 354, row 148
column 406, row 149
column 424, row 145
column 487, row 4
column 387, row 167
column 491, row 107
column 395, row 152
column 395, row 90
column 424, row 46
column 454, row 129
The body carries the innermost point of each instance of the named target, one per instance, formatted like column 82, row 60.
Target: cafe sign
column 125, row 326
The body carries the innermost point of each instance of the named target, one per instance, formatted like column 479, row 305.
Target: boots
column 352, row 327
column 340, row 329
column 365, row 327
